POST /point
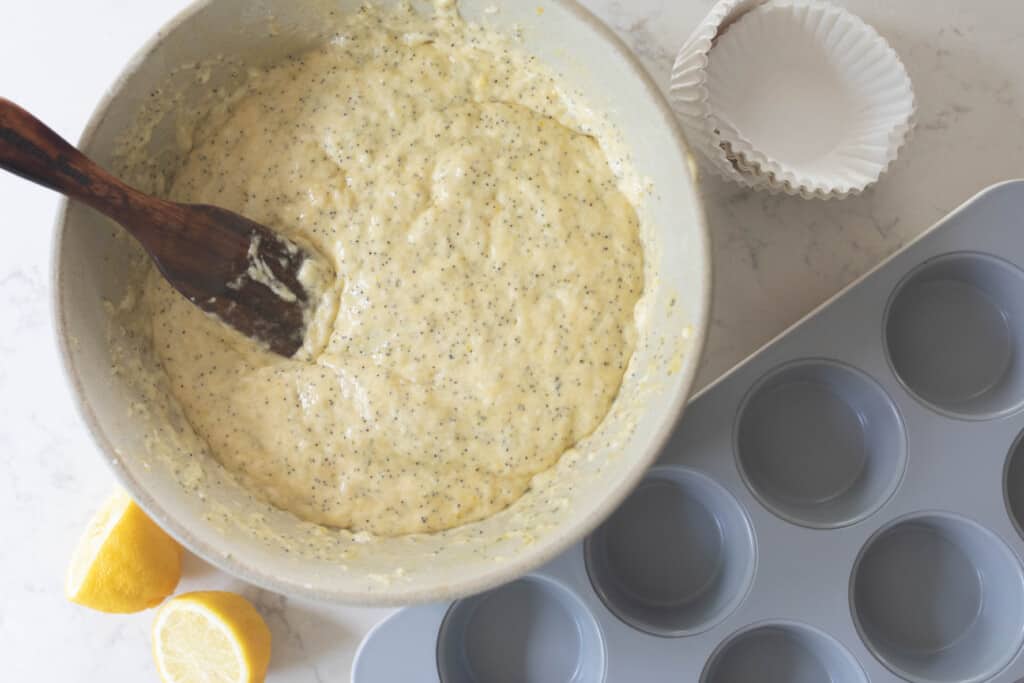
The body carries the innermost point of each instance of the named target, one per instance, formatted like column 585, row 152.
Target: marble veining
column 777, row 258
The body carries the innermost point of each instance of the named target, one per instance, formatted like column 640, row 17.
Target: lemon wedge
column 211, row 637
column 124, row 562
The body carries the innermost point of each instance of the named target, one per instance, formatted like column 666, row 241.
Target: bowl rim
column 523, row 563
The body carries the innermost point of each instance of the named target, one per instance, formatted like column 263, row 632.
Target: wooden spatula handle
column 29, row 148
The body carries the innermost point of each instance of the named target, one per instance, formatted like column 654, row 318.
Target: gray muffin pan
column 846, row 506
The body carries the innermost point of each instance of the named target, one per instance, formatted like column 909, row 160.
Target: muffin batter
column 487, row 265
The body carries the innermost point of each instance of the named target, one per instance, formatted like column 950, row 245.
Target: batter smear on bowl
column 488, row 270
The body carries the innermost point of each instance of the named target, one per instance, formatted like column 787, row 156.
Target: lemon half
column 211, row 637
column 124, row 562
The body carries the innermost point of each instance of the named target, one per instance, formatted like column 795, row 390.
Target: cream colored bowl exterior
column 86, row 273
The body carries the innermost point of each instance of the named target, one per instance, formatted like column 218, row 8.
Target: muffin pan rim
column 906, row 280
column 566, row 593
column 748, row 543
column 868, row 381
column 1016, row 448
column 926, row 517
column 789, row 626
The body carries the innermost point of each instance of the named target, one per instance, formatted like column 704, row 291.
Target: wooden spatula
column 240, row 271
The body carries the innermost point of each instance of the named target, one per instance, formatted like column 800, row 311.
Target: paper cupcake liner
column 688, row 88
column 769, row 183
column 808, row 99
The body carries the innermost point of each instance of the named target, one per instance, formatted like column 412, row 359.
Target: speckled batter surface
column 488, row 269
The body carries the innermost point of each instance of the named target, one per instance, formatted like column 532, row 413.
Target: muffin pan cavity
column 939, row 598
column 529, row 631
column 1013, row 484
column 782, row 653
column 953, row 333
column 847, row 506
column 820, row 444
column 676, row 558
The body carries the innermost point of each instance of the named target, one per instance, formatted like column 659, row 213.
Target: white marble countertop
column 776, row 259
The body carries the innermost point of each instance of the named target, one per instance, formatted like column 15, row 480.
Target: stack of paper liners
column 794, row 96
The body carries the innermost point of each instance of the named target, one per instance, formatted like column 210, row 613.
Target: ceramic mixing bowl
column 200, row 504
